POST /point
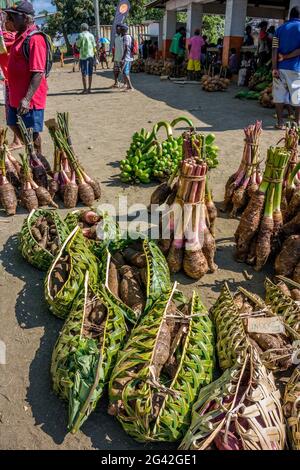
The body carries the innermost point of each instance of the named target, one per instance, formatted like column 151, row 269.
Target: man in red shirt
column 26, row 76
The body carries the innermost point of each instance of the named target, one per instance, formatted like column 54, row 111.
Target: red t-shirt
column 9, row 39
column 20, row 70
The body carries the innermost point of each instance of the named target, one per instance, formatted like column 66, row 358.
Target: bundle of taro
column 38, row 167
column 66, row 276
column 137, row 276
column 262, row 219
column 267, row 332
column 240, row 411
column 195, row 146
column 291, row 409
column 245, row 182
column 12, row 166
column 86, row 351
column 8, row 198
column 76, row 185
column 32, row 195
column 187, row 241
column 167, row 359
column 41, row 237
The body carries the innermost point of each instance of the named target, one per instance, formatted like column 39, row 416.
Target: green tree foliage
column 213, row 27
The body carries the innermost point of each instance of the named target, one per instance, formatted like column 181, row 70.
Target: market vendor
column 26, row 76
column 286, row 67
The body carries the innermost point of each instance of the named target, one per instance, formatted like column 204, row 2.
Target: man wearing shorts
column 87, row 47
column 118, row 55
column 286, row 67
column 194, row 63
column 26, row 76
column 127, row 58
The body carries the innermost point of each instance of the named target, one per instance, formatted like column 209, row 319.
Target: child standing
column 103, row 56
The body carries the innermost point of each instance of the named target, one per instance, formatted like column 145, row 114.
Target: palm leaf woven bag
column 66, row 275
column 167, row 359
column 232, row 341
column 86, row 351
column 283, row 305
column 291, row 409
column 158, row 280
column 275, row 349
column 240, row 411
column 36, row 252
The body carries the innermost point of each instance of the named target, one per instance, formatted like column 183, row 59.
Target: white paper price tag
column 270, row 325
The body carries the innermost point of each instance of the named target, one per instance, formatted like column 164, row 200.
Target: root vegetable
column 195, row 264
column 295, row 294
column 209, row 250
column 90, row 217
column 284, row 288
column 44, row 197
column 292, row 227
column 113, row 278
column 289, row 257
column 71, row 193
column 130, row 291
column 175, row 258
column 244, row 183
column 135, row 258
column 296, row 275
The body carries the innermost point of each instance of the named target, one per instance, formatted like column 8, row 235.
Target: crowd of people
column 27, row 63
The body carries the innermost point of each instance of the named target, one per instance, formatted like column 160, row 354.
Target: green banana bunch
column 137, row 167
column 148, row 158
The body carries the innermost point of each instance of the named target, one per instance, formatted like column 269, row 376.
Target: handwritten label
column 270, row 325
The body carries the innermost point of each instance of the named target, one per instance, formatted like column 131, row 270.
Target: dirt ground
column 31, row 416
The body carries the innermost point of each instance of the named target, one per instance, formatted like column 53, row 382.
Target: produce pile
column 154, row 67
column 261, row 79
column 126, row 325
column 215, row 83
column 41, row 237
column 8, row 176
column 189, row 222
column 243, row 409
column 167, row 359
column 147, row 158
column 244, row 183
column 138, row 66
column 70, row 180
column 266, row 97
column 262, row 219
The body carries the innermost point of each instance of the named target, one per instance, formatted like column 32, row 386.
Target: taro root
column 88, row 189
column 175, row 258
column 71, row 193
column 262, row 219
column 113, row 278
column 137, row 259
column 244, row 183
column 195, row 264
column 130, row 289
column 289, row 257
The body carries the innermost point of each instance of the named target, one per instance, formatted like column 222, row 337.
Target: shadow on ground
column 50, row 413
column 235, row 114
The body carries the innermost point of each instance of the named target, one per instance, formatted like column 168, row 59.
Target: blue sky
column 40, row 5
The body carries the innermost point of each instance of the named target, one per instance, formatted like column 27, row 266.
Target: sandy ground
column 31, row 416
